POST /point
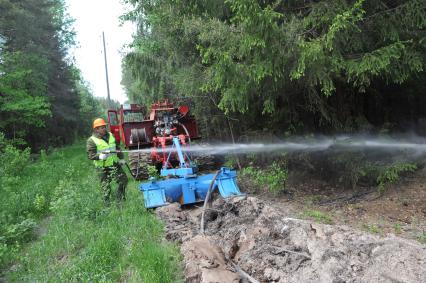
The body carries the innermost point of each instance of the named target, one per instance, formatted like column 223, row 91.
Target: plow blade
column 189, row 189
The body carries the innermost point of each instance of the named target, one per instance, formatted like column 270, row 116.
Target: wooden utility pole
column 106, row 70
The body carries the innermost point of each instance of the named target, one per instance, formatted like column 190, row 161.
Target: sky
column 92, row 17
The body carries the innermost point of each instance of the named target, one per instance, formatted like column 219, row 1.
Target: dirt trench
column 270, row 247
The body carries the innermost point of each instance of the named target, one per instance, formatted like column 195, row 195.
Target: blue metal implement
column 188, row 187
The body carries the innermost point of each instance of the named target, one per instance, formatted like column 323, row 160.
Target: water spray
column 415, row 145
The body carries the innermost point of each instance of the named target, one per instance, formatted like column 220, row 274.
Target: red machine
column 165, row 121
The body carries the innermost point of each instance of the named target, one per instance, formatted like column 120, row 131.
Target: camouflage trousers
column 109, row 174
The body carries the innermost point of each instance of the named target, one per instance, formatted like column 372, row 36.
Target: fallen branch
column 281, row 250
column 242, row 273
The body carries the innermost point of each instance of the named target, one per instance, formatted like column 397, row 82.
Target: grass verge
column 72, row 237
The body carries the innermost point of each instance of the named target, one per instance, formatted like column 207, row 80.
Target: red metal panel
column 147, row 125
column 114, row 126
column 191, row 125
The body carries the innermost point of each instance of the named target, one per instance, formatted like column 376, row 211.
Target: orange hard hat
column 98, row 122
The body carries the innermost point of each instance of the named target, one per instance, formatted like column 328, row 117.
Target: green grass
column 71, row 237
column 317, row 216
column 398, row 228
column 422, row 237
column 372, row 228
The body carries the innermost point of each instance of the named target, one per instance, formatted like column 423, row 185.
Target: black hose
column 131, row 173
column 189, row 138
column 137, row 164
column 209, row 192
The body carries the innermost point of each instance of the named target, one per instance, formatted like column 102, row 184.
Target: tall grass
column 70, row 236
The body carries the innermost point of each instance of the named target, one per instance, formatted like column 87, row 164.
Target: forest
column 284, row 67
column 44, row 100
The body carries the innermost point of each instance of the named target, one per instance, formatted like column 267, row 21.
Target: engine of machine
column 165, row 123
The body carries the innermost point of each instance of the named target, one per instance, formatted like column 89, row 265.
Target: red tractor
column 156, row 131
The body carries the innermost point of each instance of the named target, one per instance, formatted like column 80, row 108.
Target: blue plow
column 187, row 187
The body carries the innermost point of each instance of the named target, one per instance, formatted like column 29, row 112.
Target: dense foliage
column 291, row 66
column 43, row 99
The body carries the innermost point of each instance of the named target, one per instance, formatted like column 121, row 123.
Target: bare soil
column 373, row 237
column 400, row 210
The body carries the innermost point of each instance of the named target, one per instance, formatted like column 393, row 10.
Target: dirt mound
column 272, row 248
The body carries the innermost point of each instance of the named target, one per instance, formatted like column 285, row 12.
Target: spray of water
column 414, row 145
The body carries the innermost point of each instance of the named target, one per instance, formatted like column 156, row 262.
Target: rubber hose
column 207, row 199
column 186, row 132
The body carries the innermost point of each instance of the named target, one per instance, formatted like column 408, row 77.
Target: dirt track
column 270, row 247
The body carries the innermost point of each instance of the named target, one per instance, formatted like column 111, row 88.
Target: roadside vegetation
column 270, row 179
column 317, row 216
column 422, row 237
column 391, row 174
column 55, row 228
column 350, row 170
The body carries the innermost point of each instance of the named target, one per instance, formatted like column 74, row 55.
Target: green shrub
column 391, row 174
column 153, row 172
column 13, row 161
column 273, row 177
column 422, row 237
column 20, row 232
column 16, row 221
column 231, row 161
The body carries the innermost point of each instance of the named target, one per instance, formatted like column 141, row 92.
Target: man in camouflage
column 102, row 149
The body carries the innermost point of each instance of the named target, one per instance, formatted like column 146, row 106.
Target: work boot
column 121, row 193
column 107, row 202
